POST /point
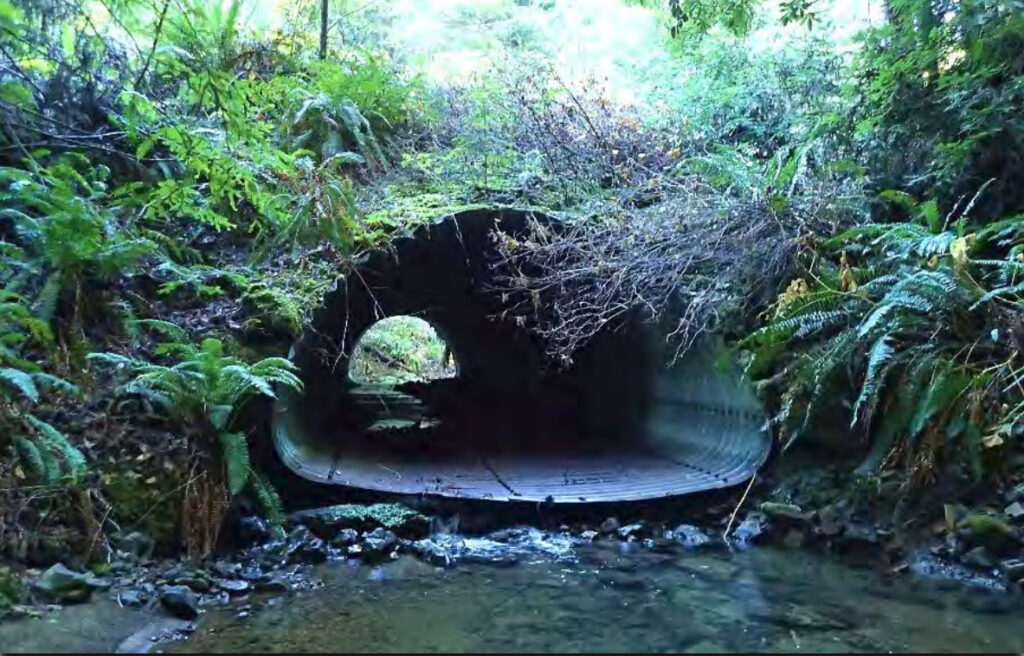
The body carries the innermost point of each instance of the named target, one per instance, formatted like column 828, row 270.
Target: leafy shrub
column 915, row 334
column 67, row 235
column 203, row 391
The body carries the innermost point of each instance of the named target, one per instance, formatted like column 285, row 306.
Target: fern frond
column 879, row 359
column 21, row 382
column 235, row 451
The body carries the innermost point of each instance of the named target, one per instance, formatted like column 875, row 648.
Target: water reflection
column 610, row 598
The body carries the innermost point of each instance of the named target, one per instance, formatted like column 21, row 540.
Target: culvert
column 616, row 425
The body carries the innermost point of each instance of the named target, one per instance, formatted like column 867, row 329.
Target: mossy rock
column 989, row 531
column 400, row 520
column 271, row 312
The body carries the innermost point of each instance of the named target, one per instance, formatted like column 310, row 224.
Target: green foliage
column 913, row 336
column 942, row 84
column 67, row 236
column 203, row 390
column 399, row 349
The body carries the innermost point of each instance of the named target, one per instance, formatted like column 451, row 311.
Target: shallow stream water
column 621, row 598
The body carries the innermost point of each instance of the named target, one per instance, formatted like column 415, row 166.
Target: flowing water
column 617, row 597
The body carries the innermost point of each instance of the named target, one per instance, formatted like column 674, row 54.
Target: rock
column 379, row 543
column 508, row 535
column 253, row 530
column 1014, row 510
column 234, row 587
column 631, row 531
column 62, row 585
column 786, row 511
column 345, row 537
column 609, row 526
column 180, row 602
column 312, row 551
column 271, row 585
column 200, row 585
column 988, row 531
column 794, row 617
column 136, row 544
column 226, row 570
column 858, row 539
column 355, row 551
column 690, row 536
column 751, row 530
column 1013, row 568
column 132, row 598
column 588, row 536
column 432, row 552
column 399, row 519
column 829, row 523
column 794, row 538
column 978, row 557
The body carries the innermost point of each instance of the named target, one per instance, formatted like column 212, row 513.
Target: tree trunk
column 323, row 29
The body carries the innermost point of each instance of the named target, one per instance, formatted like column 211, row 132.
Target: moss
column 987, row 527
column 146, row 504
column 272, row 311
column 11, row 589
column 394, row 517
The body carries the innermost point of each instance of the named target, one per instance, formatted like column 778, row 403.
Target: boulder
column 180, row 602
column 609, row 526
column 326, row 522
column 990, row 532
column 64, row 586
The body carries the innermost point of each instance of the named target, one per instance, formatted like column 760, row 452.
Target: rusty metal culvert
column 615, row 426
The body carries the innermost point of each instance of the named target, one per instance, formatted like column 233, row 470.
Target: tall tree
column 323, row 29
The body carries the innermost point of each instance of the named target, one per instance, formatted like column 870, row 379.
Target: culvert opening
column 401, row 349
column 616, row 425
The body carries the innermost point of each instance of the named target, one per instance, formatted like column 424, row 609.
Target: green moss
column 394, row 517
column 987, row 527
column 11, row 589
column 143, row 503
column 272, row 311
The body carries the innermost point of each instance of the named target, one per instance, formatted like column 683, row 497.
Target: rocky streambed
column 137, row 603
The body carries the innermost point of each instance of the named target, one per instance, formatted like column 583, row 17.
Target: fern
column 21, row 382
column 235, row 451
column 270, row 501
column 879, row 359
column 204, row 389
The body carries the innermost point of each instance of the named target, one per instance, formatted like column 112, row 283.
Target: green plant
column 39, row 446
column 916, row 335
column 68, row 237
column 203, row 391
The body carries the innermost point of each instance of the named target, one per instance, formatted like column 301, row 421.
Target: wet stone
column 180, row 602
column 751, row 530
column 234, row 587
column 253, row 530
column 630, row 531
column 1013, row 568
column 345, row 537
column 271, row 585
column 609, row 526
column 62, row 585
column 690, row 536
column 978, row 557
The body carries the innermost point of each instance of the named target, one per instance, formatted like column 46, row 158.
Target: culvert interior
column 618, row 424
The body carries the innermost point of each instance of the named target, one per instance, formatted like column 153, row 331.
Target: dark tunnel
column 615, row 424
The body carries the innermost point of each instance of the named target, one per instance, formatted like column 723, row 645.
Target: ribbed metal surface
column 702, row 430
